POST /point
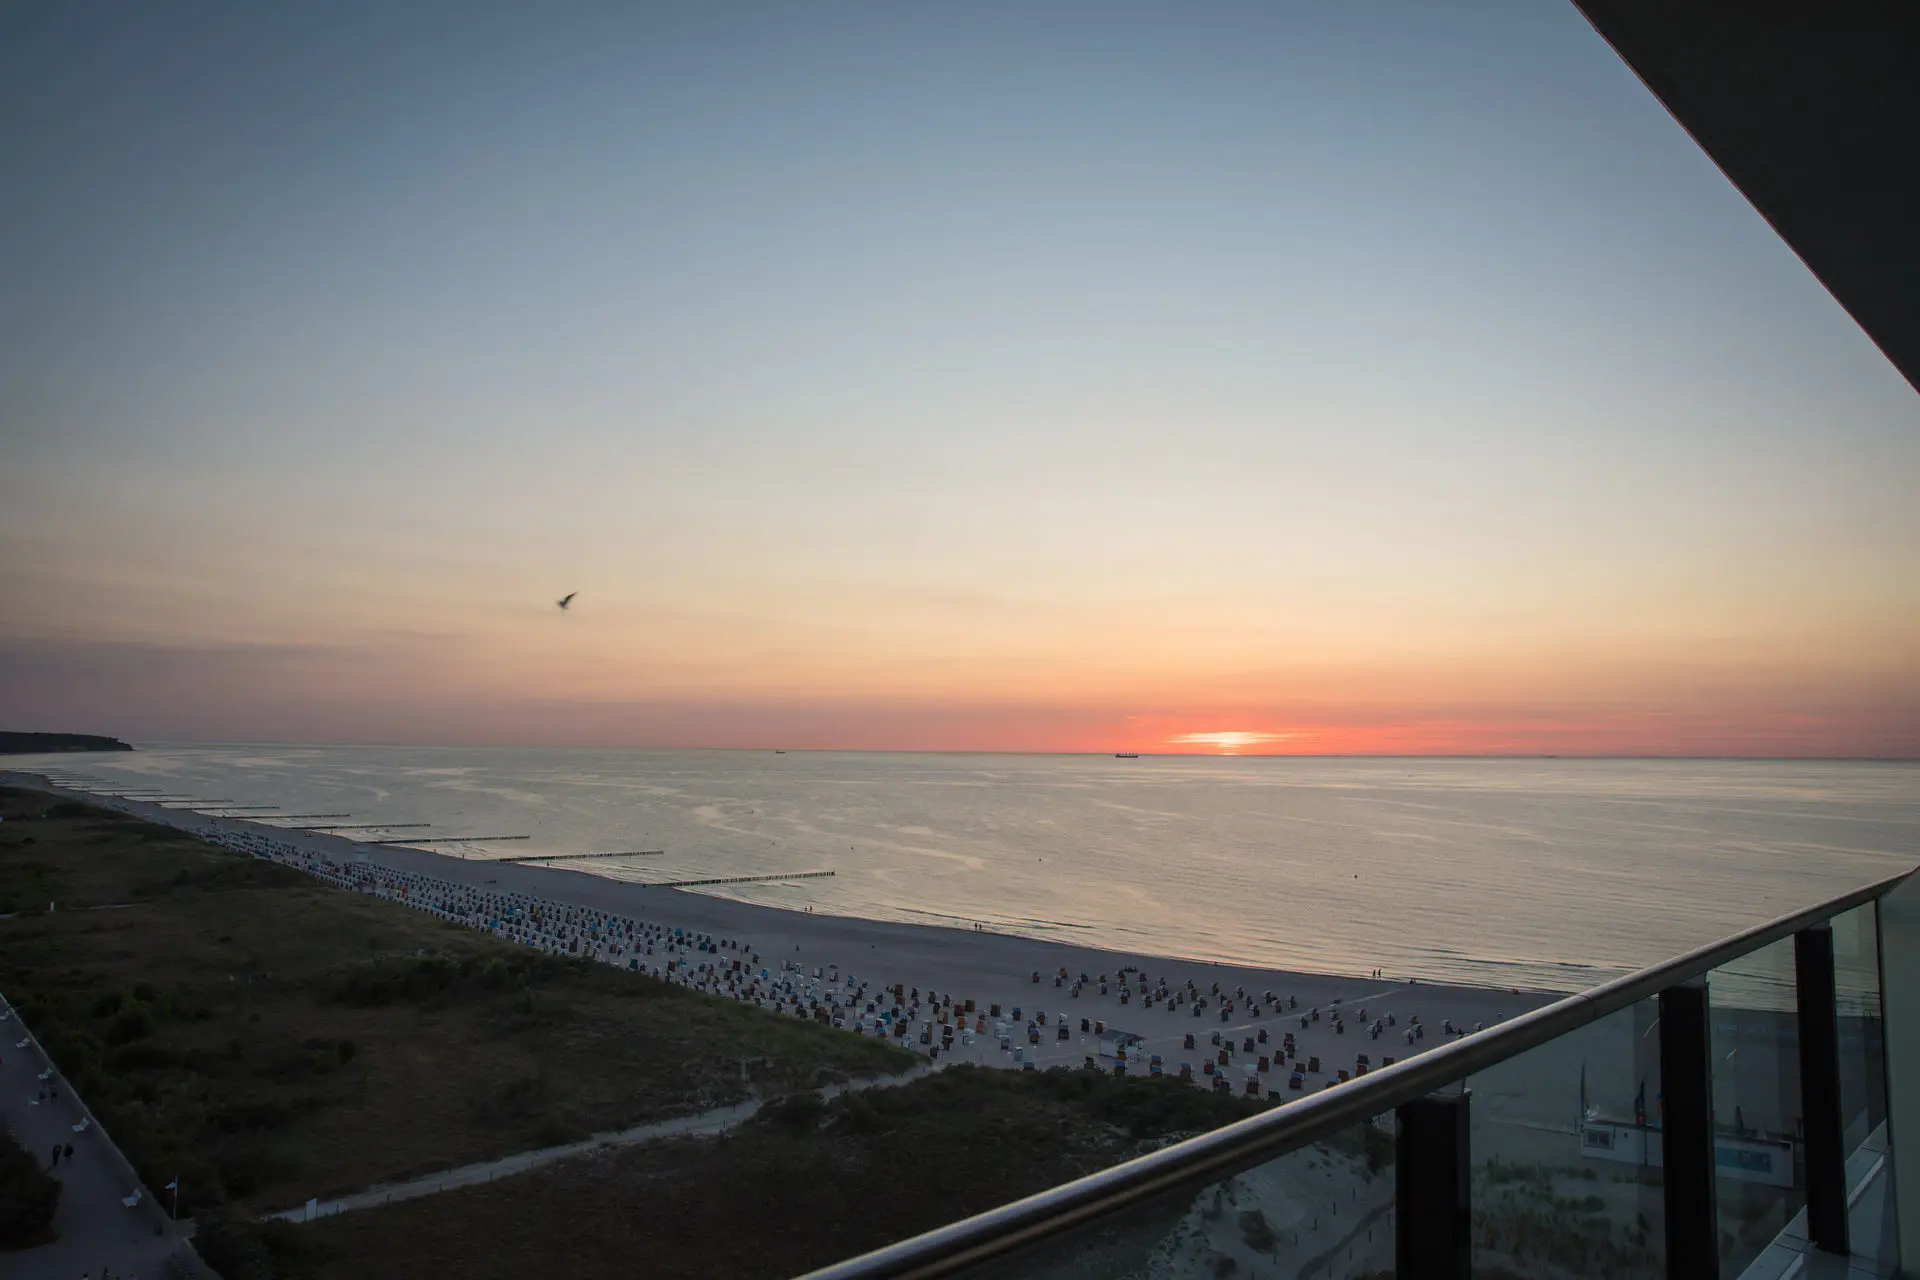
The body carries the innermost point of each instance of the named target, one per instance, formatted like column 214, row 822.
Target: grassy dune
column 801, row 1185
column 270, row 1038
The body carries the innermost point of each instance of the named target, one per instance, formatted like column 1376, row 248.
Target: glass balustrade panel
column 1323, row 1211
column 1863, row 1084
column 1566, row 1176
column 1758, row 1128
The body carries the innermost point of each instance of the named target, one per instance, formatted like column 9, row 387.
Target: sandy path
column 703, row 1124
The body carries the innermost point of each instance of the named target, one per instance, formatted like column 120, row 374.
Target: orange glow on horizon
column 1228, row 741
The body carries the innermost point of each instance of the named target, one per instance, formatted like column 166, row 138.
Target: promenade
column 98, row 1233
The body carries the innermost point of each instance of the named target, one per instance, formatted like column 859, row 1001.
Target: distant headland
column 27, row 744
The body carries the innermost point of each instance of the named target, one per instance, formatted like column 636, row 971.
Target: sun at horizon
column 1227, row 741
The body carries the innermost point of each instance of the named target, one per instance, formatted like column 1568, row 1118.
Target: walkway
column 95, row 1228
column 705, row 1123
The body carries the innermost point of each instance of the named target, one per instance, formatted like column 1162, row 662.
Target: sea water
column 1534, row 873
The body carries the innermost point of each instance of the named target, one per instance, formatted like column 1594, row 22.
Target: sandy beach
column 913, row 983
column 964, row 964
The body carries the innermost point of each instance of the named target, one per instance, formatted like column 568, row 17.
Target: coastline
column 987, row 967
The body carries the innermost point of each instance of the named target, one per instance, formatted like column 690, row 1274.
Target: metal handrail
column 1257, row 1139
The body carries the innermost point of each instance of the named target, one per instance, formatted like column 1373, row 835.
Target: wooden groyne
column 689, row 884
column 558, row 857
column 293, row 817
column 361, row 826
column 416, row 840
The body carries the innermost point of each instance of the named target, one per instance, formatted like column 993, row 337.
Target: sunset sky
column 1316, row 377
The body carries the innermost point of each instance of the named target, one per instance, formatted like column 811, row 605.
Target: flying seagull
column 567, row 599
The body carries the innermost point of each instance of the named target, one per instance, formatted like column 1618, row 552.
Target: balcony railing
column 1719, row 1113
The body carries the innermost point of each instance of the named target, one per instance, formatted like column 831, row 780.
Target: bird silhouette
column 567, row 599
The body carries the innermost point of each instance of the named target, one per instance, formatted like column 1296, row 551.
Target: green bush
column 235, row 1248
column 130, row 1024
column 29, row 1195
column 143, row 1057
column 243, row 1250
column 797, row 1110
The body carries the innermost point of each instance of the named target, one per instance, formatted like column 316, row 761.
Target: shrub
column 130, row 1024
column 796, row 1110
column 29, row 1195
column 517, row 1099
column 234, row 1247
column 143, row 1057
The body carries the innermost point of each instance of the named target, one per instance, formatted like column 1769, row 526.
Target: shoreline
column 981, row 964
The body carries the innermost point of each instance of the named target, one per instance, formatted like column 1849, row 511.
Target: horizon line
column 1010, row 751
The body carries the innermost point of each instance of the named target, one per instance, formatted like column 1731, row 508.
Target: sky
column 1311, row 377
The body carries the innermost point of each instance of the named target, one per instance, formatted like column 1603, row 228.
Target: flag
column 172, row 1186
column 1583, row 1090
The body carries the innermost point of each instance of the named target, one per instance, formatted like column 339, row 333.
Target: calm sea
column 1525, row 873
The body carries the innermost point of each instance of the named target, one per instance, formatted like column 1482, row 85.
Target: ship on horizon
column 1126, row 755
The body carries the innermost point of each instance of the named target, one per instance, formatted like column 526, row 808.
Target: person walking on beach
column 56, row 1157
column 69, row 1153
